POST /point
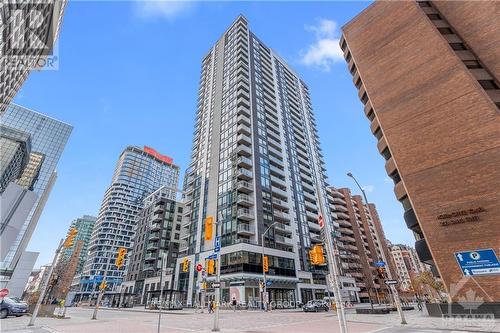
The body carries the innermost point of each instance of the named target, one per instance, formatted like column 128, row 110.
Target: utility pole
column 99, row 296
column 389, row 274
column 163, row 263
column 217, row 279
column 332, row 254
column 45, row 284
column 264, row 287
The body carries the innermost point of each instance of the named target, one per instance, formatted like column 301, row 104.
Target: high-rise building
column 407, row 265
column 256, row 163
column 428, row 76
column 84, row 225
column 15, row 148
column 138, row 173
column 361, row 244
column 23, row 48
column 157, row 235
column 48, row 138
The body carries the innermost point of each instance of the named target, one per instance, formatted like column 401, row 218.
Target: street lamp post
column 264, row 287
column 393, row 290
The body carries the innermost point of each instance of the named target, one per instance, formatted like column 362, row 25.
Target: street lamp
column 264, row 288
column 389, row 274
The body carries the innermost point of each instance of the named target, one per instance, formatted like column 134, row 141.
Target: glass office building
column 48, row 137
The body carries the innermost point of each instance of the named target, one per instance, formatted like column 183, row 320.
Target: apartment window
column 434, row 16
column 458, row 46
column 395, row 176
column 445, row 31
column 472, row 64
column 406, row 203
column 488, row 84
column 344, row 45
column 353, row 69
column 364, row 98
column 371, row 115
column 348, row 57
column 358, row 83
column 386, row 153
column 378, row 133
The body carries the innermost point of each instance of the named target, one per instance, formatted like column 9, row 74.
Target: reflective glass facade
column 48, row 137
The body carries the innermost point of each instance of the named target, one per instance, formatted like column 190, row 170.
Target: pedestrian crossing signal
column 120, row 258
column 316, row 255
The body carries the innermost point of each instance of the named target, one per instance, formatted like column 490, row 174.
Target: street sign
column 203, row 273
column 389, row 282
column 268, row 283
column 379, row 264
column 215, row 284
column 217, row 244
column 212, row 256
column 4, row 292
column 199, row 267
column 478, row 262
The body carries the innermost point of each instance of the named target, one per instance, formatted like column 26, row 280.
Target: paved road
column 111, row 321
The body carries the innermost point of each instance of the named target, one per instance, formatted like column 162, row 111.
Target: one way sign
column 478, row 262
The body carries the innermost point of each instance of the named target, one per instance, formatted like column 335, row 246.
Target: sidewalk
column 421, row 320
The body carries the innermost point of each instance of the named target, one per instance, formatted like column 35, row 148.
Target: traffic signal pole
column 99, row 296
column 45, row 284
column 332, row 254
column 217, row 290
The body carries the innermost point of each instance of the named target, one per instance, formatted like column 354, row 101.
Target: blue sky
column 128, row 75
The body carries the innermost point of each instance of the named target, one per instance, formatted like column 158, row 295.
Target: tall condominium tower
column 48, row 139
column 84, row 225
column 138, row 173
column 428, row 75
column 23, row 48
column 256, row 164
column 157, row 235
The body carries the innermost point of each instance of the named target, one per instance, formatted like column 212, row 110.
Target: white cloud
column 325, row 50
column 388, row 180
column 369, row 188
column 162, row 8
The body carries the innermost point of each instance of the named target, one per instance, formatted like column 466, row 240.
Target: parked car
column 315, row 306
column 12, row 307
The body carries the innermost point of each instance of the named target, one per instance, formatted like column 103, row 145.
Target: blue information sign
column 212, row 256
column 379, row 264
column 478, row 262
column 217, row 244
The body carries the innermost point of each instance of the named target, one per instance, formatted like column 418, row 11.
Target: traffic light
column 381, row 272
column 265, row 264
column 209, row 223
column 316, row 255
column 70, row 238
column 120, row 258
column 185, row 265
column 210, row 266
column 103, row 285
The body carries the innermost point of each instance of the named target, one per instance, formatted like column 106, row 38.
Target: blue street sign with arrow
column 379, row 264
column 212, row 256
column 217, row 244
column 478, row 262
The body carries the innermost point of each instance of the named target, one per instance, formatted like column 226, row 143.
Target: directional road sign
column 478, row 262
column 389, row 282
column 215, row 284
column 212, row 256
column 217, row 244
